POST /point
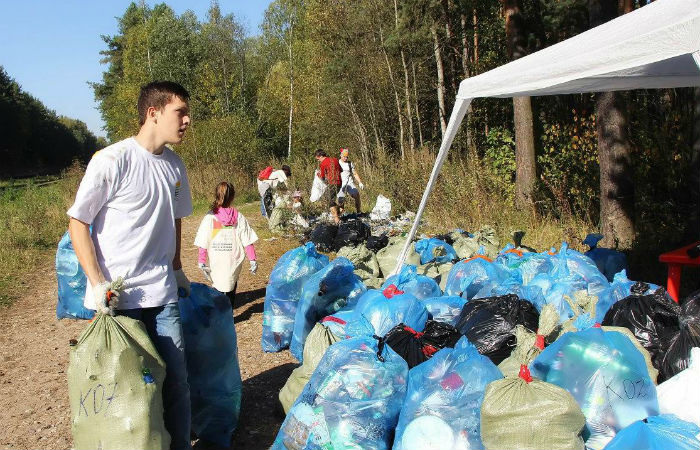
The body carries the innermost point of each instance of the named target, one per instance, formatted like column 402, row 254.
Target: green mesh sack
column 115, row 380
column 364, row 260
column 318, row 340
column 436, row 271
column 388, row 256
column 523, row 415
column 466, row 247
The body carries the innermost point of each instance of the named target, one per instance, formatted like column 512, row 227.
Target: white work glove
column 205, row 270
column 106, row 295
column 253, row 267
column 362, row 186
column 182, row 282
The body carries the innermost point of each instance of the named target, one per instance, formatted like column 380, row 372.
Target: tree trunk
column 452, row 49
column 441, row 79
column 525, row 171
column 614, row 153
column 415, row 96
column 396, row 94
column 407, row 93
column 475, row 22
column 291, row 96
column 465, row 70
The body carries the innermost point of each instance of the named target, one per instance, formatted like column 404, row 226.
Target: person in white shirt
column 348, row 177
column 224, row 238
column 268, row 184
column 134, row 194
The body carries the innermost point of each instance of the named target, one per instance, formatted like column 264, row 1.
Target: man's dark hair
column 320, row 152
column 287, row 170
column 158, row 94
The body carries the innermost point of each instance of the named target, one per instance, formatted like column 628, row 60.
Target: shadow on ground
column 261, row 412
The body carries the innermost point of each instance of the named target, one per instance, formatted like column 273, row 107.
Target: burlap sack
column 519, row 415
column 318, row 340
column 115, row 379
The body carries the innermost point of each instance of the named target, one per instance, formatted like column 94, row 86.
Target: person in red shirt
column 329, row 171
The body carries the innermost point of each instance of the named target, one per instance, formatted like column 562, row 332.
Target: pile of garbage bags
column 508, row 353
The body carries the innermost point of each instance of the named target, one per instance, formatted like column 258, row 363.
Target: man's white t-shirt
column 275, row 178
column 132, row 198
column 225, row 248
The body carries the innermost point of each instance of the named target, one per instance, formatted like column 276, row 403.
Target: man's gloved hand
column 182, row 282
column 106, row 295
column 205, row 270
column 253, row 267
column 361, row 186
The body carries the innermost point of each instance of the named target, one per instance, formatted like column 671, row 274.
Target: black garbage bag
column 351, row 232
column 376, row 243
column 489, row 323
column 323, row 236
column 440, row 334
column 675, row 354
column 416, row 347
column 653, row 319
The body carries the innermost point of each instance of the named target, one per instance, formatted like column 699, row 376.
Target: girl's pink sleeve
column 250, row 252
column 202, row 258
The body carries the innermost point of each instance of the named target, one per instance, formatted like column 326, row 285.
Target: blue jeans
column 262, row 207
column 164, row 328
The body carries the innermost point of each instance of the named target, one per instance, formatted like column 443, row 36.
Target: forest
column 380, row 78
column 36, row 141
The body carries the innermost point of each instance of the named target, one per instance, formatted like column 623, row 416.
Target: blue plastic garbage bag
column 387, row 308
column 620, row 287
column 410, row 282
column 579, row 265
column 606, row 374
column 553, row 292
column 71, row 283
column 532, row 264
column 657, row 433
column 338, row 321
column 327, row 291
column 283, row 293
column 436, row 250
column 469, row 276
column 352, row 400
column 532, row 293
column 443, row 400
column 608, row 261
column 445, row 308
column 212, row 363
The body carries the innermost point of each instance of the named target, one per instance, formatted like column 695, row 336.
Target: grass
column 32, row 221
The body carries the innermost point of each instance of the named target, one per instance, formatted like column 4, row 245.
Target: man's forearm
column 177, row 264
column 85, row 250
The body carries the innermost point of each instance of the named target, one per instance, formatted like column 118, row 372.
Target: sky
column 51, row 47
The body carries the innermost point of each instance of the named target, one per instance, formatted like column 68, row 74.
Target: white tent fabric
column 656, row 46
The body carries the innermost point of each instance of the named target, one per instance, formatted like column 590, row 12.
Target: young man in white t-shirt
column 134, row 194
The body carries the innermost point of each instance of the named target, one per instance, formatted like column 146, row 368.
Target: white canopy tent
column 656, row 46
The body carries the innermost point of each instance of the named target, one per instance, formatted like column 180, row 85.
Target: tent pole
column 458, row 113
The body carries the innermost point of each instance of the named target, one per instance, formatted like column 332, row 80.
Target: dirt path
column 34, row 407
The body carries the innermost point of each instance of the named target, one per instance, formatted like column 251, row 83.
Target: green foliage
column 568, row 162
column 500, row 159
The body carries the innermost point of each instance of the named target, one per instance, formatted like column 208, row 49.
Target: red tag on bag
column 539, row 341
column 391, row 290
column 525, row 373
